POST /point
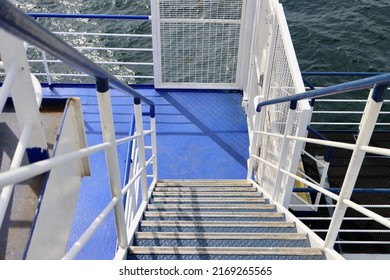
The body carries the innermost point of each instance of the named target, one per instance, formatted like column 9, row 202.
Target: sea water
column 328, row 35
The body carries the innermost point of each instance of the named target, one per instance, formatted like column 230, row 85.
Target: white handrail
column 7, row 84
column 7, row 190
column 88, row 233
column 359, row 149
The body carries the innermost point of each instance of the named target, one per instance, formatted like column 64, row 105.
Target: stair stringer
column 315, row 240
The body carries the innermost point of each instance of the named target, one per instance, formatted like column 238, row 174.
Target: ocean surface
column 328, row 35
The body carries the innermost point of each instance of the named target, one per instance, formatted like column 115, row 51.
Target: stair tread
column 205, row 189
column 208, row 213
column 226, row 250
column 220, row 236
column 201, row 183
column 216, row 223
column 194, row 199
column 212, row 214
column 208, row 194
column 212, row 206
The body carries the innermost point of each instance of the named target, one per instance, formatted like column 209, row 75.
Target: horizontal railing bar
column 114, row 49
column 99, row 16
column 345, row 112
column 333, row 144
column 355, row 190
column 345, row 218
column 330, row 123
column 356, row 230
column 306, row 182
column 132, row 181
column 97, row 62
column 200, row 20
column 375, row 150
column 86, row 75
column 22, row 173
column 332, row 206
column 104, row 34
column 269, row 134
column 368, row 213
column 314, row 186
column 26, row 28
column 132, row 137
column 356, row 74
column 82, row 241
column 363, row 242
column 347, row 100
column 127, row 139
column 331, row 90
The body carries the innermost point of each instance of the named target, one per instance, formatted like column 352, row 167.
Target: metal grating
column 201, row 9
column 199, row 42
column 281, row 84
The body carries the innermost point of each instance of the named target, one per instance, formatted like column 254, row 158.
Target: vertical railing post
column 108, row 131
column 141, row 146
column 252, row 146
column 154, row 141
column 46, row 66
column 284, row 150
column 368, row 122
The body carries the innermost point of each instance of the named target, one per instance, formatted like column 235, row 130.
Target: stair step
column 216, row 220
column 203, row 183
column 162, row 214
column 203, row 224
column 213, row 216
column 205, row 189
column 210, row 239
column 225, row 252
column 207, row 194
column 210, row 207
column 221, row 236
column 207, row 200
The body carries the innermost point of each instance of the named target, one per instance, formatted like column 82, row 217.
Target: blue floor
column 200, row 135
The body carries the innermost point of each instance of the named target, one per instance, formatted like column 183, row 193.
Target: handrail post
column 46, row 66
column 141, row 146
column 283, row 152
column 154, row 143
column 368, row 122
column 108, row 131
column 252, row 147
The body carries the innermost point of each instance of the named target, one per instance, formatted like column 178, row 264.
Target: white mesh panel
column 281, row 84
column 199, row 41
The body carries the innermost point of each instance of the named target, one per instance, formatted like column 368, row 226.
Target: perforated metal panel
column 282, row 78
column 198, row 42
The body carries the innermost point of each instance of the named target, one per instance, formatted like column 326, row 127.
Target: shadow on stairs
column 216, row 220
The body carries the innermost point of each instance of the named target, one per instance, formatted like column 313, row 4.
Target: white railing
column 131, row 64
column 360, row 148
column 21, row 25
column 274, row 73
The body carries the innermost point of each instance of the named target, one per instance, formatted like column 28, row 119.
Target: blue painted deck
column 200, row 135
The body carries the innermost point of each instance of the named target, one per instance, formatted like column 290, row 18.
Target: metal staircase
column 218, row 220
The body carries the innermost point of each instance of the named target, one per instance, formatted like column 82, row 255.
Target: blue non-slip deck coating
column 200, row 135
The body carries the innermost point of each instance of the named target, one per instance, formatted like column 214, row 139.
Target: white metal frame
column 359, row 149
column 17, row 72
column 273, row 27
column 242, row 57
